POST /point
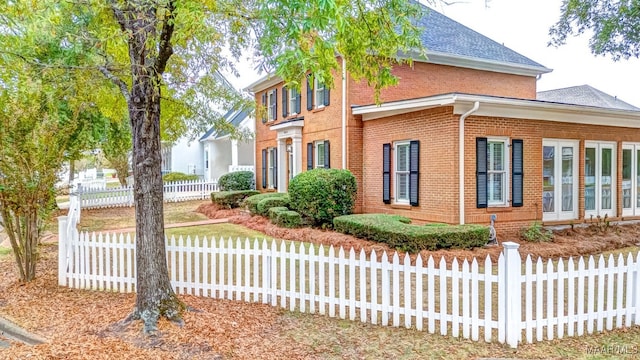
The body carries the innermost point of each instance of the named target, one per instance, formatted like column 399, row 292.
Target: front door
column 559, row 180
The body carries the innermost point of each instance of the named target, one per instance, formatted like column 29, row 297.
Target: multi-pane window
column 319, row 93
column 402, row 172
column 599, row 178
column 497, row 165
column 271, row 169
column 631, row 179
column 320, row 154
column 271, row 105
column 294, row 98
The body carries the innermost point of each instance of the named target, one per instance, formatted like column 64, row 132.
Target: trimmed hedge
column 288, row 219
column 178, row 176
column 237, row 180
column 252, row 201
column 322, row 194
column 231, row 199
column 265, row 204
column 273, row 212
column 397, row 232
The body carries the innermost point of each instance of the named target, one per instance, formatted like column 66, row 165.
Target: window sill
column 499, row 208
column 401, row 206
column 318, row 109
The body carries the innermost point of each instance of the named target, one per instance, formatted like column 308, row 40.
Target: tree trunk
column 155, row 296
column 72, row 169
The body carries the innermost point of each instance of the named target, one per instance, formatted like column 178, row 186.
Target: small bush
column 237, row 180
column 536, row 233
column 273, row 212
column 288, row 219
column 265, row 204
column 231, row 199
column 397, row 232
column 252, row 202
column 178, row 176
column 322, row 194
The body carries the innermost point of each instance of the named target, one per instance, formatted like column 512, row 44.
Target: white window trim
column 558, row 214
column 316, row 89
column 507, row 172
column 599, row 145
column 292, row 101
column 316, row 154
column 270, row 169
column 396, row 197
column 634, row 209
column 271, row 114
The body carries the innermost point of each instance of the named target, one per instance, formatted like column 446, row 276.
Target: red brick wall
column 437, row 130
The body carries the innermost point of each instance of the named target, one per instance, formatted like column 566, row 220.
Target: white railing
column 233, row 168
column 123, row 196
column 468, row 299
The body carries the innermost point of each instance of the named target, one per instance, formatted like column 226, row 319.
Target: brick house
column 462, row 136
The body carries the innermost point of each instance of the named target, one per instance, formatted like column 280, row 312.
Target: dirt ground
column 579, row 241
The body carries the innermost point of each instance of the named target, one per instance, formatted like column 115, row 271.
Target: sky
column 523, row 26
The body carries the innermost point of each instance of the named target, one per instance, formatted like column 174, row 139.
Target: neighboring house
column 222, row 154
column 214, row 153
column 462, row 136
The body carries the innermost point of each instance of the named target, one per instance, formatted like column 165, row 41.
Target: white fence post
column 513, row 293
column 62, row 250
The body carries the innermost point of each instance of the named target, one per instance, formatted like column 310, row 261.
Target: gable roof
column 451, row 43
column 233, row 117
column 584, row 95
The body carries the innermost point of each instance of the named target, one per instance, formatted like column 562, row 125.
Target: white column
column 282, row 165
column 234, row 153
column 297, row 155
column 513, row 303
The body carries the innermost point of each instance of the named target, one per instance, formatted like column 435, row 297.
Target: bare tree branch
column 165, row 49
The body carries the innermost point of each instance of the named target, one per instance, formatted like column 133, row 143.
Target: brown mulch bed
column 580, row 241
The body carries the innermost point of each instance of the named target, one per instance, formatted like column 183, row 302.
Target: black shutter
column 298, row 101
column 285, row 94
column 327, row 157
column 264, row 106
column 326, row 95
column 309, row 156
column 386, row 173
column 309, row 95
column 414, row 172
column 275, row 168
column 481, row 172
column 264, row 168
column 517, row 183
column 275, row 104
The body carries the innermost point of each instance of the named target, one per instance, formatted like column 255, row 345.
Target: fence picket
column 431, row 294
column 580, row 296
column 302, row 279
column 385, row 291
column 571, row 278
column 312, row 278
column 488, row 296
column 292, row 277
column 332, row 282
column 374, row 288
column 395, row 292
column 560, row 299
column 628, row 302
column 419, row 304
column 528, row 297
column 610, row 282
column 229, row 283
column 455, row 299
column 352, row 284
column 342, row 296
column 619, row 290
column 362, row 266
column 442, row 275
column 550, row 305
column 475, row 299
column 465, row 299
column 321, row 281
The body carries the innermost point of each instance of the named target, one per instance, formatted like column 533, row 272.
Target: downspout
column 344, row 113
column 475, row 107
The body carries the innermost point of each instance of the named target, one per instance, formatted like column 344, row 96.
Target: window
column 405, row 179
column 499, row 167
column 318, row 155
column 206, row 159
column 317, row 94
column 497, row 172
column 559, row 179
column 631, row 179
column 599, row 178
column 402, row 172
column 294, row 101
column 270, row 168
column 271, row 105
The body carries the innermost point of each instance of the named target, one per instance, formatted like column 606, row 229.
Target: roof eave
column 264, row 82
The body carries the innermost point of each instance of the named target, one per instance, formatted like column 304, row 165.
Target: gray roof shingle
column 584, row 95
column 444, row 35
column 233, row 117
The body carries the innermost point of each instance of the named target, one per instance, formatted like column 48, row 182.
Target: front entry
column 559, row 179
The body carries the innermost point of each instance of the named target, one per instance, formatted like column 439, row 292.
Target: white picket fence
column 507, row 300
column 123, row 196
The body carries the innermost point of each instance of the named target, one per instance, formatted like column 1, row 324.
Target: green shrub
column 231, row 199
column 536, row 233
column 237, row 180
column 178, row 176
column 252, row 202
column 265, row 204
column 322, row 194
column 397, row 232
column 288, row 219
column 273, row 212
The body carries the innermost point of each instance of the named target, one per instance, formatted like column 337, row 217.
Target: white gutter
column 475, row 107
column 344, row 113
